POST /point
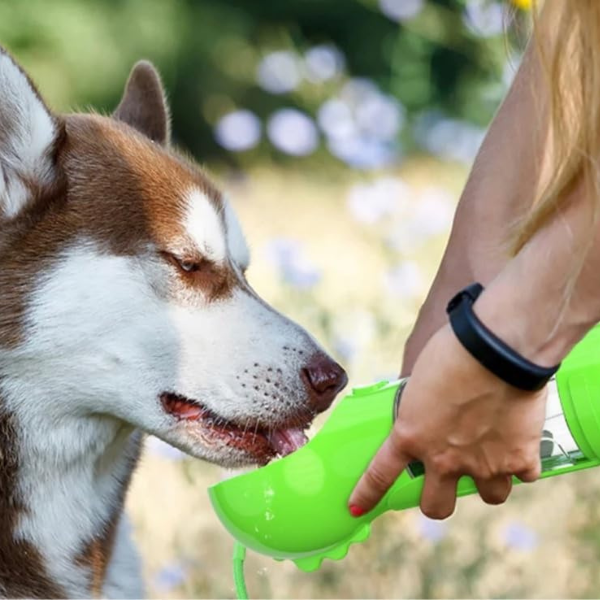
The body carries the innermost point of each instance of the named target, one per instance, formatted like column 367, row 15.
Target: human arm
column 500, row 188
column 455, row 416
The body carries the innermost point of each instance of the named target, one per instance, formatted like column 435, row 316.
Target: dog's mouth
column 255, row 439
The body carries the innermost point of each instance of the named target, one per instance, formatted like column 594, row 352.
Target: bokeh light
column 293, row 132
column 323, row 62
column 485, row 17
column 279, row 72
column 401, row 10
column 238, row 131
column 289, row 258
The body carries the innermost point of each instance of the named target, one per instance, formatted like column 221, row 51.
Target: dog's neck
column 62, row 487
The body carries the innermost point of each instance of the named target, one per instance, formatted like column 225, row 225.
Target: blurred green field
column 542, row 544
column 343, row 131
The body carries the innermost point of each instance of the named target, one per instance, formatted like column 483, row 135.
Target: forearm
column 500, row 189
column 547, row 297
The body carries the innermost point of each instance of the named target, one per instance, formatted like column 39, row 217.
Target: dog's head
column 123, row 288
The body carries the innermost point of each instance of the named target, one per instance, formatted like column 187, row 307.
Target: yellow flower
column 523, row 4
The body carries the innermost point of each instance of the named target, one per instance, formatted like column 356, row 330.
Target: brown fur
column 143, row 105
column 22, row 571
column 98, row 551
column 120, row 187
column 114, row 187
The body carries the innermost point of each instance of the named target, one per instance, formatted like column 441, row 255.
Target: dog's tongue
column 286, row 441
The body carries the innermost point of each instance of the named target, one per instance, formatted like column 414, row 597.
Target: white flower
column 432, row 530
column 520, row 537
column 433, row 212
column 401, row 10
column 380, row 116
column 449, row 139
column 336, row 120
column 362, row 125
column 405, row 280
column 364, row 153
column 370, row 203
column 293, row 132
column 292, row 264
column 278, row 72
column 239, row 130
column 484, row 17
column 323, row 63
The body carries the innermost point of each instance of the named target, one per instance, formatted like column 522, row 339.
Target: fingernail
column 356, row 511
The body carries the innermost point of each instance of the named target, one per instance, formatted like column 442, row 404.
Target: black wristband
column 489, row 350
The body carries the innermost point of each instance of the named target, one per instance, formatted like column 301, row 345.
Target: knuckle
column 533, row 456
column 376, row 478
column 404, row 439
column 514, row 465
column 532, row 473
column 487, row 470
column 532, row 461
column 397, row 441
column 484, row 472
column 443, row 464
column 522, row 460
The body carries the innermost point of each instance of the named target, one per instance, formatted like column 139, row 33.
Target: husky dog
column 124, row 308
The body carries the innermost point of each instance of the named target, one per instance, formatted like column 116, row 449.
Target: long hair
column 567, row 40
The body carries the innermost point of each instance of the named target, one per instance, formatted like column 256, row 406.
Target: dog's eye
column 189, row 266
column 184, row 264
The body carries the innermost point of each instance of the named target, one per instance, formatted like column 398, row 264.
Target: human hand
column 457, row 418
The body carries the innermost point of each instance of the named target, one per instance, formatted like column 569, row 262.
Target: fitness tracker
column 489, row 350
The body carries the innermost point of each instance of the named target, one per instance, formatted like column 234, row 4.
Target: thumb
column 385, row 468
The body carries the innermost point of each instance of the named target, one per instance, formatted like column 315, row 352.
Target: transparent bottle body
column 558, row 449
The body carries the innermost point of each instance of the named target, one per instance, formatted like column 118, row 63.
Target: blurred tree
column 422, row 57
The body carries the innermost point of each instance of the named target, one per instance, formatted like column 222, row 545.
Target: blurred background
column 343, row 130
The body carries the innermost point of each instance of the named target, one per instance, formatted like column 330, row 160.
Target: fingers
column 495, row 490
column 531, row 474
column 438, row 499
column 385, row 468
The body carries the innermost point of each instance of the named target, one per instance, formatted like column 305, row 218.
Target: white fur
column 236, row 241
column 73, row 459
column 123, row 577
column 101, row 345
column 97, row 319
column 31, row 131
column 204, row 227
column 105, row 337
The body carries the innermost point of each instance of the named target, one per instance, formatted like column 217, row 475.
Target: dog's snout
column 324, row 379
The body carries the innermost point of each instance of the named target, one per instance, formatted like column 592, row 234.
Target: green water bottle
column 296, row 508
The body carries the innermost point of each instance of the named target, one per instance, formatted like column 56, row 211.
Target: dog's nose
column 324, row 378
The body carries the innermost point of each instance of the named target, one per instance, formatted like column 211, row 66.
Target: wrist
column 532, row 323
column 488, row 349
column 547, row 296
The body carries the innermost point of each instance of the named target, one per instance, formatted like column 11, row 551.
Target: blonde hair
column 567, row 39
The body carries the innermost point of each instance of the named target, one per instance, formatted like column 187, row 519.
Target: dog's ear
column 28, row 136
column 144, row 105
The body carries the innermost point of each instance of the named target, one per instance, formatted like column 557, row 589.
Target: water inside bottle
column 557, row 448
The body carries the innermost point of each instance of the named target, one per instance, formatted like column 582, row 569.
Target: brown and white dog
column 124, row 308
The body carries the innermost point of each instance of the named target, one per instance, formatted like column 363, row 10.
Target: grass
column 542, row 544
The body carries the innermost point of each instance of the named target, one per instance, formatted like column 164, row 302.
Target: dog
column 124, row 310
